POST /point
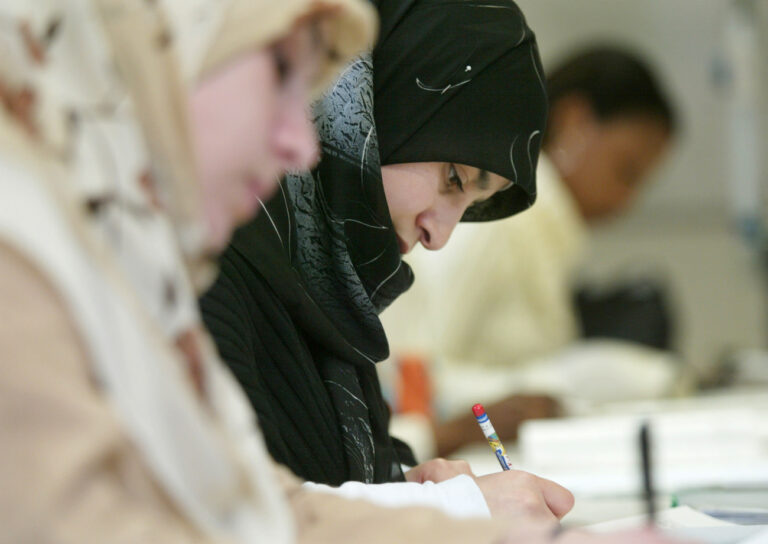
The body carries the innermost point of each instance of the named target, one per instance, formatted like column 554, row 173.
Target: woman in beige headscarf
column 109, row 432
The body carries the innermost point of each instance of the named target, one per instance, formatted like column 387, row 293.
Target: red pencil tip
column 478, row 409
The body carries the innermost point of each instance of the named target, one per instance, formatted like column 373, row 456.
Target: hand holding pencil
column 514, row 491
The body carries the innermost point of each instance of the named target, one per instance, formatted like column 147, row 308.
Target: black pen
column 647, row 465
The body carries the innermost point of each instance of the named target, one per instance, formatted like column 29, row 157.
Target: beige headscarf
column 204, row 35
column 94, row 96
column 161, row 50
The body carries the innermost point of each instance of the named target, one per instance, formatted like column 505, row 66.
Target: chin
column 217, row 243
column 220, row 231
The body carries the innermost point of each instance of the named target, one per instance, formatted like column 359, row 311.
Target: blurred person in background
column 495, row 310
column 119, row 423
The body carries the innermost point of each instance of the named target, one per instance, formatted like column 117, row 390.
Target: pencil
column 491, row 436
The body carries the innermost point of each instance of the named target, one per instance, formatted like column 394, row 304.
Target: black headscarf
column 295, row 309
column 461, row 81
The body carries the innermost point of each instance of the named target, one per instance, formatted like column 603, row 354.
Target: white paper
column 672, row 518
column 733, row 534
column 688, row 524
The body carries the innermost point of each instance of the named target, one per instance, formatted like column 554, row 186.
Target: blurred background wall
column 684, row 226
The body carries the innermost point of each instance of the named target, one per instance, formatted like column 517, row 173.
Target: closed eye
column 454, row 178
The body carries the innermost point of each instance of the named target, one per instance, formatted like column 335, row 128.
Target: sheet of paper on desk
column 758, row 538
column 598, row 455
column 671, row 518
column 687, row 523
column 735, row 534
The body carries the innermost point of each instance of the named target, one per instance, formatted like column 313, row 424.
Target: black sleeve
column 404, row 452
column 259, row 343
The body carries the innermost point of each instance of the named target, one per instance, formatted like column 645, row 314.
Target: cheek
column 250, row 114
column 392, row 194
column 231, row 123
column 232, row 116
column 410, row 190
column 404, row 197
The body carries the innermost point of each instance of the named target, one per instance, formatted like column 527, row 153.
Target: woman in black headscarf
column 452, row 104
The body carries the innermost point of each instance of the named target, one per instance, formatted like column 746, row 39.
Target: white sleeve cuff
column 458, row 497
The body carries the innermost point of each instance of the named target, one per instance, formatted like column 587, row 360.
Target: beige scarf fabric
column 94, row 96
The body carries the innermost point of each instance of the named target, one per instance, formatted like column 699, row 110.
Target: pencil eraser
column 478, row 410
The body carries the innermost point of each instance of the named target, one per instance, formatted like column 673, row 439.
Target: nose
column 437, row 223
column 294, row 137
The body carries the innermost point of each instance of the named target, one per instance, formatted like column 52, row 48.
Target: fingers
column 438, row 470
column 457, row 466
column 530, row 504
column 540, row 498
column 558, row 498
column 515, row 495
